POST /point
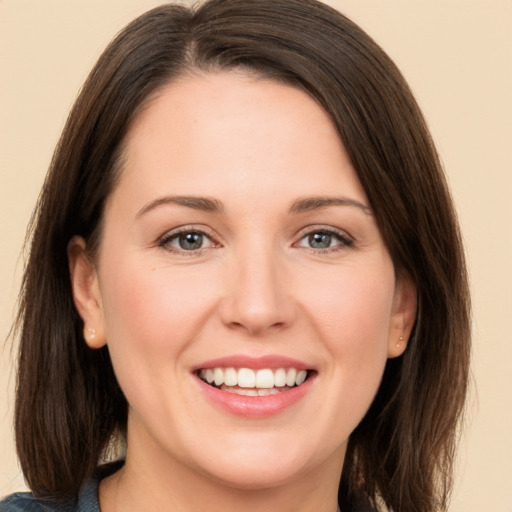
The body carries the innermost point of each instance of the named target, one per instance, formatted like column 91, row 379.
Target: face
column 243, row 288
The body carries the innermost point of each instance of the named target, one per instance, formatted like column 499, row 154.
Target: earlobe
column 86, row 292
column 403, row 316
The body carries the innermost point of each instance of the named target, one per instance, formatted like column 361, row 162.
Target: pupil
column 320, row 240
column 191, row 241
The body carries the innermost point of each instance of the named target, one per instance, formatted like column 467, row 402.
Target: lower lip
column 255, row 406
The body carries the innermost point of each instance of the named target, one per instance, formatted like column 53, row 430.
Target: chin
column 245, row 476
column 266, row 464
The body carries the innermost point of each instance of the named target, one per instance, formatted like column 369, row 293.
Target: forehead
column 231, row 132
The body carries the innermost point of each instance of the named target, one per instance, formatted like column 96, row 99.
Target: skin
column 256, row 287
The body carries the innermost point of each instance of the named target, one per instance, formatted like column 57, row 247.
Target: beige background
column 457, row 56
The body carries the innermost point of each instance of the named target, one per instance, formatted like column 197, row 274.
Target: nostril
column 256, row 304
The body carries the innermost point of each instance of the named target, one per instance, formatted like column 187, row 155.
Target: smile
column 249, row 382
column 255, row 387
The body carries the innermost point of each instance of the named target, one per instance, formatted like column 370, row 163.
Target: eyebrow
column 308, row 204
column 209, row 204
column 205, row 204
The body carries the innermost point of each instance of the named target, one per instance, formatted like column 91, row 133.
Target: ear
column 403, row 316
column 86, row 292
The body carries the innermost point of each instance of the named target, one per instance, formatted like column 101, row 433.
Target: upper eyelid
column 325, row 228
column 165, row 241
column 208, row 232
column 344, row 238
column 187, row 229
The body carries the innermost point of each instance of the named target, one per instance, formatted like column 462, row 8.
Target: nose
column 258, row 295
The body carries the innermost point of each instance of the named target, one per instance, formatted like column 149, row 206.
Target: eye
column 186, row 241
column 324, row 239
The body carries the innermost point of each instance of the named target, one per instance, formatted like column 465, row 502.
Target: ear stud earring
column 91, row 334
column 400, row 341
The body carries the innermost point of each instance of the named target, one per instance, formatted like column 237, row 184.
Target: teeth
column 280, row 378
column 218, row 376
column 301, row 377
column 230, row 377
column 291, row 376
column 265, row 379
column 252, row 391
column 263, row 382
column 265, row 392
column 246, row 378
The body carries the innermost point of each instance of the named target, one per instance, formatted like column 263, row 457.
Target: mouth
column 249, row 382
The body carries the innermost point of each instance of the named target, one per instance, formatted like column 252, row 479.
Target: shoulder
column 27, row 502
column 87, row 498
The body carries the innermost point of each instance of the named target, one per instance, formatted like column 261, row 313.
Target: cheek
column 353, row 307
column 356, row 335
column 351, row 313
column 153, row 310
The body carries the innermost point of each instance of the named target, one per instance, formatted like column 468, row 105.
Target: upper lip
column 256, row 363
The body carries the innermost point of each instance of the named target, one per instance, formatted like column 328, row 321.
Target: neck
column 123, row 494
column 168, row 484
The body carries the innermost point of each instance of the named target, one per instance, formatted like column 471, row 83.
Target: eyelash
column 185, row 230
column 344, row 240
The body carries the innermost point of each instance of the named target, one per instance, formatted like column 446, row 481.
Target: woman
column 246, row 266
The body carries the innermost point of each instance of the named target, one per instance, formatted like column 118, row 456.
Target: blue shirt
column 87, row 498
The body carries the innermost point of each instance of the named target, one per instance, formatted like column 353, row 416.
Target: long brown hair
column 69, row 405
